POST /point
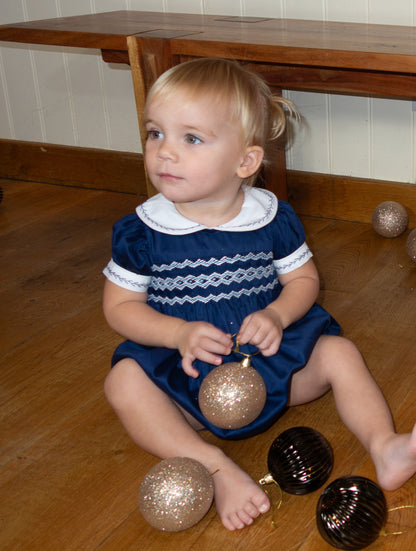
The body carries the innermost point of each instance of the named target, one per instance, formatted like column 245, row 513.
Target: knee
column 118, row 383
column 338, row 351
column 344, row 346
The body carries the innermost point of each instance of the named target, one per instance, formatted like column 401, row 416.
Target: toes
column 234, row 522
column 238, row 520
column 251, row 510
column 228, row 524
column 245, row 518
column 261, row 502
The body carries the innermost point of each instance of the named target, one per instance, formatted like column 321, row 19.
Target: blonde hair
column 251, row 103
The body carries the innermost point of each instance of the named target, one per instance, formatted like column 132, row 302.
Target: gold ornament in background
column 176, row 494
column 390, row 219
column 411, row 245
column 233, row 394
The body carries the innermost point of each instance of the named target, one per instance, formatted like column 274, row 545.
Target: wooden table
column 347, row 58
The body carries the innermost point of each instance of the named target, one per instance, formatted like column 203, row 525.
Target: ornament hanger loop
column 384, row 533
column 268, row 479
column 237, row 350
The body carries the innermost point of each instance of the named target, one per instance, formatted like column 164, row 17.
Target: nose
column 167, row 151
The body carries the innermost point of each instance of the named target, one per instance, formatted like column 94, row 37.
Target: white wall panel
column 88, row 99
column 352, row 11
column 392, row 140
column 33, row 9
column 21, row 86
column 304, row 9
column 145, row 5
column 384, row 12
column 11, row 11
column 121, row 108
column 266, row 8
column 55, row 114
column 349, row 135
column 6, row 117
column 184, row 6
column 310, row 150
column 98, row 6
column 223, row 7
column 73, row 7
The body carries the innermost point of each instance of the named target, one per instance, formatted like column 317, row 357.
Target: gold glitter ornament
column 232, row 395
column 390, row 219
column 176, row 494
column 411, row 245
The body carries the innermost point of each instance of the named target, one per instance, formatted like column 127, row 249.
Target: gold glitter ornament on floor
column 390, row 219
column 176, row 494
column 233, row 394
column 411, row 245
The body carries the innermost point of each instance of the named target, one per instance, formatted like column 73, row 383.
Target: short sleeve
column 129, row 266
column 290, row 248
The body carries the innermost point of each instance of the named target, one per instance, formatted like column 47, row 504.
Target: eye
column 154, row 134
column 192, row 139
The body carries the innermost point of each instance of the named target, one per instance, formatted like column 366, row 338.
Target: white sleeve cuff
column 126, row 279
column 294, row 260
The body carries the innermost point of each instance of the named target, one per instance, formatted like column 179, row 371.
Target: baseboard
column 313, row 194
column 346, row 198
column 72, row 166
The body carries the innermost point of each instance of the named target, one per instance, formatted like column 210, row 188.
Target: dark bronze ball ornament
column 300, row 461
column 351, row 512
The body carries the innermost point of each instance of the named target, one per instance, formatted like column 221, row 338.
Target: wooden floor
column 69, row 475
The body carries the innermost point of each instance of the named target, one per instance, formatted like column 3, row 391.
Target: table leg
column 148, row 59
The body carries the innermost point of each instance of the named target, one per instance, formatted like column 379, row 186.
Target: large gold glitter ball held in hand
column 390, row 219
column 411, row 245
column 232, row 395
column 176, row 494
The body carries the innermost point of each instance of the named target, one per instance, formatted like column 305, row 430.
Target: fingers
column 212, row 346
column 202, row 341
column 187, row 366
column 202, row 355
column 261, row 331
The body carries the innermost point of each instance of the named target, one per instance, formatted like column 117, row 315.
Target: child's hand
column 262, row 329
column 199, row 340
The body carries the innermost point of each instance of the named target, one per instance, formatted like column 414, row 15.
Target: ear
column 253, row 157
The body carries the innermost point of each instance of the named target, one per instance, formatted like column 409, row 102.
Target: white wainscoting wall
column 71, row 97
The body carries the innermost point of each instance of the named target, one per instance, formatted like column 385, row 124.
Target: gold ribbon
column 236, row 350
column 268, row 479
column 384, row 533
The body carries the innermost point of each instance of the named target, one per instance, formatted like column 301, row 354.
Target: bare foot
column 397, row 461
column 238, row 499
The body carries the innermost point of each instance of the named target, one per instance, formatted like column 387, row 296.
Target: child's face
column 193, row 151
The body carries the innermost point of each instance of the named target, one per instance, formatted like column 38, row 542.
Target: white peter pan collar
column 259, row 208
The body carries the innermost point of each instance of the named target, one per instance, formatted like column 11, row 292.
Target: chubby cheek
column 149, row 159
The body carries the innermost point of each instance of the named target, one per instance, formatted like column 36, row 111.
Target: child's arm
column 264, row 328
column 128, row 313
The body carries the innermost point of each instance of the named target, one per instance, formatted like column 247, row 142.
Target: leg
column 158, row 426
column 336, row 363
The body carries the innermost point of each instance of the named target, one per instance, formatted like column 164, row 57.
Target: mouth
column 169, row 177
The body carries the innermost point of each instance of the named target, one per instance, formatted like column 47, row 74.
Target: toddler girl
column 209, row 257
